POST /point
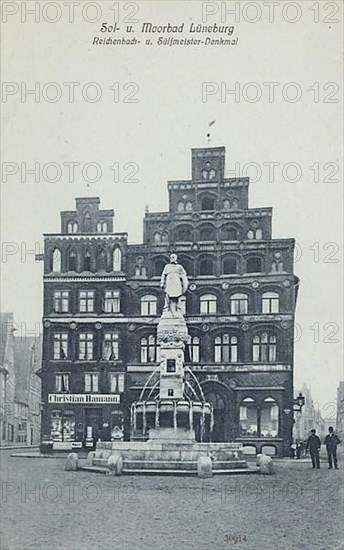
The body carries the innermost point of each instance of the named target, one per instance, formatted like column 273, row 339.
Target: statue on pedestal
column 175, row 283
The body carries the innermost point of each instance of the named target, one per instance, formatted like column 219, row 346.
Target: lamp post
column 298, row 403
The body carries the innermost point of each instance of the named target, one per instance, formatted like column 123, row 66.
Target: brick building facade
column 102, row 301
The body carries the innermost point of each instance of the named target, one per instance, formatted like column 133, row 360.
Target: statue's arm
column 162, row 280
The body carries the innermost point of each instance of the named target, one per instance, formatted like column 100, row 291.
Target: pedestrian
column 298, row 450
column 313, row 445
column 331, row 442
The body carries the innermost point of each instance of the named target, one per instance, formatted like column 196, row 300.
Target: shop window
column 63, row 425
column 248, row 418
column 269, row 418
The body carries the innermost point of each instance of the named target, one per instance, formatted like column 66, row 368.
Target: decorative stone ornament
column 131, row 327
column 73, row 326
column 255, row 284
column 225, row 286
column 192, row 287
column 286, row 283
column 47, row 324
column 98, row 326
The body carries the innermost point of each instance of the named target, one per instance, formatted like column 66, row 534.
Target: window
column 117, row 259
column 269, row 418
column 208, row 304
column 101, row 227
column 86, row 301
column 264, row 348
column 112, row 302
column 111, row 346
column 206, row 267
column 157, row 238
column 159, row 267
column 170, row 365
column 180, row 206
column 56, row 261
column 92, row 382
column 61, row 301
column 194, row 349
column 102, row 260
column 117, row 382
column 239, row 304
column 62, row 425
column 150, row 350
column 229, row 266
column 62, row 382
column 149, row 305
column 60, row 345
column 208, row 203
column 207, row 233
column 229, row 233
column 72, row 227
column 254, row 265
column 226, row 349
column 270, row 302
column 184, row 233
column 255, row 234
column 87, row 222
column 87, row 261
column 212, row 174
column 226, row 204
column 248, row 418
column 71, row 261
column 86, row 346
column 188, row 206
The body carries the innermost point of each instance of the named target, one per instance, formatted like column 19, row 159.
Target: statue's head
column 173, row 258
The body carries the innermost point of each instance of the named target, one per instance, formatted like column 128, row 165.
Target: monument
column 171, row 423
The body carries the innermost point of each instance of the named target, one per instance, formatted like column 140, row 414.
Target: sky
column 151, row 110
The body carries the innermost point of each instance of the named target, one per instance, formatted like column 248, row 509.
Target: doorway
column 93, row 423
column 219, row 412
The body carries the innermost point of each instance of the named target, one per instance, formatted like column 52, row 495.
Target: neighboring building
column 102, row 301
column 7, row 379
column 310, row 417
column 27, row 359
column 340, row 409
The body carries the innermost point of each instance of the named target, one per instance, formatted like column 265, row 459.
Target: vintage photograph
column 171, row 275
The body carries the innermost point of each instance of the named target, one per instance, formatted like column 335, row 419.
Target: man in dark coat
column 313, row 445
column 331, row 442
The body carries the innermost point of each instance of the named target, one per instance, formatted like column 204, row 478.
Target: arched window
column 56, row 261
column 208, row 203
column 72, row 227
column 101, row 227
column 239, row 304
column 159, row 267
column 259, row 234
column 270, row 302
column 149, row 304
column 184, row 233
column 182, row 303
column 87, row 261
column 226, row 204
column 188, row 206
column 254, row 265
column 229, row 233
column 207, row 233
column 235, row 204
column 87, row 222
column 117, row 259
column 205, row 174
column 269, row 414
column 150, row 350
column 180, row 206
column 255, row 234
column 157, row 237
column 208, row 304
column 250, row 234
column 71, row 261
column 229, row 266
column 206, row 266
column 194, row 349
column 264, row 348
column 248, row 418
column 212, row 174
column 102, row 260
column 164, row 237
column 226, row 349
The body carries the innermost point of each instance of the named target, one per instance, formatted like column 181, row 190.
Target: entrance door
column 94, row 421
column 219, row 412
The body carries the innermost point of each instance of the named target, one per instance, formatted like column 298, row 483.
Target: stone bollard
column 265, row 464
column 204, row 467
column 71, row 462
column 90, row 457
column 115, row 465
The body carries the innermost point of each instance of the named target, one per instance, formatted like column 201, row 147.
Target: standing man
column 331, row 442
column 313, row 445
